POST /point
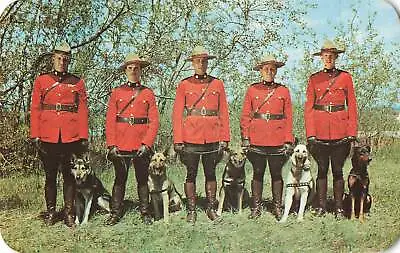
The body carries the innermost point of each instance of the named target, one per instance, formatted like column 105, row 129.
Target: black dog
column 359, row 201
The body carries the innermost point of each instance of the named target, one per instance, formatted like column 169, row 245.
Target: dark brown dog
column 359, row 201
column 233, row 193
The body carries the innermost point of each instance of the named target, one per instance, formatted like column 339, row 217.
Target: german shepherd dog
column 299, row 182
column 90, row 192
column 163, row 193
column 359, row 202
column 233, row 193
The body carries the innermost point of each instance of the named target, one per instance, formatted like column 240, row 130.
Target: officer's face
column 133, row 72
column 268, row 72
column 61, row 62
column 328, row 58
column 200, row 65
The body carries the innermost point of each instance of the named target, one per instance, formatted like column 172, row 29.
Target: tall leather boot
column 277, row 187
column 117, row 199
column 321, row 193
column 338, row 190
column 143, row 192
column 69, row 201
column 211, row 189
column 190, row 192
column 51, row 200
column 256, row 192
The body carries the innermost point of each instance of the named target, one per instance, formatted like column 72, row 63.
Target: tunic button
column 59, row 94
column 203, row 98
column 131, row 105
column 330, row 93
column 268, row 103
column 120, row 99
column 132, row 96
column 58, row 113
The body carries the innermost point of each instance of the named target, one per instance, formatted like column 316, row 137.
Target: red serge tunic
column 201, row 129
column 264, row 131
column 128, row 136
column 334, row 125
column 59, row 108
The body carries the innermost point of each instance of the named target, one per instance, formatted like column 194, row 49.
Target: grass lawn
column 21, row 201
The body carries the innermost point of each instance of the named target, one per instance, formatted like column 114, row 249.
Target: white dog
column 299, row 182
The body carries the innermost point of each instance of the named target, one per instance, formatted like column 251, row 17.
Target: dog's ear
column 296, row 141
column 86, row 157
column 73, row 157
column 166, row 152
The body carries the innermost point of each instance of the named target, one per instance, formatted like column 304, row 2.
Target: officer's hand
column 112, row 153
column 311, row 140
column 36, row 142
column 178, row 147
column 245, row 145
column 142, row 150
column 223, row 145
column 84, row 145
column 288, row 149
column 349, row 139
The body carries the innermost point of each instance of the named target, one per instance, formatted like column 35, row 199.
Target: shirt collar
column 332, row 70
column 133, row 84
column 269, row 84
column 201, row 77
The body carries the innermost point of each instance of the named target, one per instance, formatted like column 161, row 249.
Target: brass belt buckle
column 267, row 116
column 203, row 111
column 131, row 120
column 330, row 108
column 58, row 107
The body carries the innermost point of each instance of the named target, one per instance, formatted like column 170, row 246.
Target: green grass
column 21, row 200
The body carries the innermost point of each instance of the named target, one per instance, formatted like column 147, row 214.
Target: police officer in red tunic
column 132, row 123
column 59, row 127
column 266, row 128
column 201, row 129
column 331, row 123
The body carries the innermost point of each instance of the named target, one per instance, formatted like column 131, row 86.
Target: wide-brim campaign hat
column 268, row 59
column 200, row 52
column 329, row 46
column 134, row 58
column 62, row 48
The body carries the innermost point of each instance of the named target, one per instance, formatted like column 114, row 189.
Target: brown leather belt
column 202, row 112
column 268, row 116
column 60, row 107
column 329, row 108
column 132, row 120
